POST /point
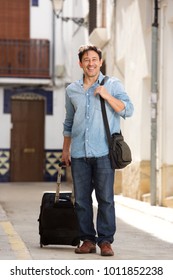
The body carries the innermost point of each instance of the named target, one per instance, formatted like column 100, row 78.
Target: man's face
column 91, row 64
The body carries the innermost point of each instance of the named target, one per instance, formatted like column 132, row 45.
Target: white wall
column 133, row 35
column 5, row 124
column 131, row 44
column 41, row 20
column 70, row 36
column 54, row 123
column 166, row 84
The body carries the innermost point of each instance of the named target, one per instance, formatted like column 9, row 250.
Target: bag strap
column 105, row 119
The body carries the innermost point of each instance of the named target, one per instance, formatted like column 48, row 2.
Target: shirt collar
column 100, row 78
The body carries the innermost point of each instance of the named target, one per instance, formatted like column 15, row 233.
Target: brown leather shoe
column 106, row 249
column 86, row 248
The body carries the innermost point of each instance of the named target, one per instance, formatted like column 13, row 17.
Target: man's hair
column 85, row 48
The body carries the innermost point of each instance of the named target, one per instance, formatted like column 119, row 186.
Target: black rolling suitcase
column 58, row 223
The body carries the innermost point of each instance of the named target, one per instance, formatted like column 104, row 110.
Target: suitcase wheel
column 41, row 245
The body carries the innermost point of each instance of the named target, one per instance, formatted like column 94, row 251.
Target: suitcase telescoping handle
column 60, row 165
column 57, row 195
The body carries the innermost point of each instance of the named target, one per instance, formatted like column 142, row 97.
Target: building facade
column 43, row 60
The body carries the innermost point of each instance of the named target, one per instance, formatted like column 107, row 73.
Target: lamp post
column 154, row 97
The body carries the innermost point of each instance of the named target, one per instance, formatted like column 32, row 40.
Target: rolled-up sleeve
column 68, row 123
column 120, row 93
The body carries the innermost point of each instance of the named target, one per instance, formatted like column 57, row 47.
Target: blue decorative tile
column 52, row 159
column 4, row 165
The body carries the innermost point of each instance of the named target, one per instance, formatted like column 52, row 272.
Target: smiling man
column 86, row 148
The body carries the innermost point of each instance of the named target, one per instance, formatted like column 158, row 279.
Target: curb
column 164, row 213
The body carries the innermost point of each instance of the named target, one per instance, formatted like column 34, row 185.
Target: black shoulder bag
column 119, row 151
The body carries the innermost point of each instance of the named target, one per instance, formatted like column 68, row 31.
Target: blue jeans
column 89, row 174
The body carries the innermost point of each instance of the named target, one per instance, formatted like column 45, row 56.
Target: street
column 136, row 237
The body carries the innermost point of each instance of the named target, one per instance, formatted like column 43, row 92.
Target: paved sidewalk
column 11, row 244
column 143, row 231
column 156, row 220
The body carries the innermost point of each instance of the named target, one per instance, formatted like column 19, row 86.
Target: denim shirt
column 84, row 122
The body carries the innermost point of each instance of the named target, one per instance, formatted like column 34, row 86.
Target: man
column 85, row 134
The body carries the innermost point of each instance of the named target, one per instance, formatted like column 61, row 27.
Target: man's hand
column 66, row 151
column 101, row 90
column 115, row 103
column 66, row 158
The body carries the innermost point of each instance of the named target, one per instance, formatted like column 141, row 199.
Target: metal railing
column 24, row 58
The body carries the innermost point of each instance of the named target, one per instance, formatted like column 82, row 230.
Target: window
column 35, row 3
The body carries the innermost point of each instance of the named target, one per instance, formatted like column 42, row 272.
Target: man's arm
column 115, row 103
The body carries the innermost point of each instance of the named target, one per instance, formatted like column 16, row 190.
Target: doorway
column 27, row 158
